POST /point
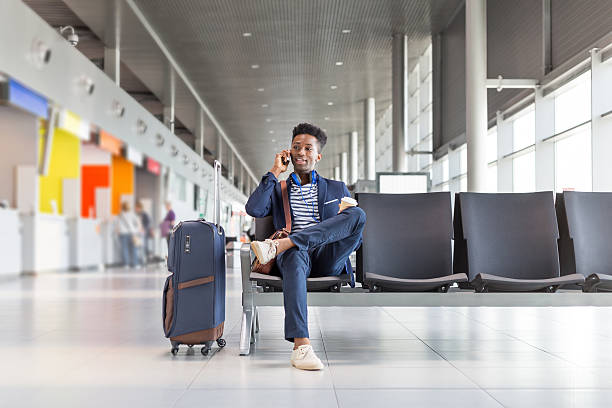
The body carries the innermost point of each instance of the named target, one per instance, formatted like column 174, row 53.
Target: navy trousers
column 321, row 250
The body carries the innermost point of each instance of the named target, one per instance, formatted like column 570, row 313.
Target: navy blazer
column 267, row 200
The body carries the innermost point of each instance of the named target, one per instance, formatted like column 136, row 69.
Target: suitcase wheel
column 174, row 351
column 221, row 343
column 204, row 350
column 190, row 345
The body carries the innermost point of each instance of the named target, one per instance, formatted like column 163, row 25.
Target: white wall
column 19, row 141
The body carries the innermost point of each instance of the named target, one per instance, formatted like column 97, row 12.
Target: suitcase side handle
column 217, row 207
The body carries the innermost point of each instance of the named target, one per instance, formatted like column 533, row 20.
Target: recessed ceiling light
column 330, row 103
column 339, row 63
column 254, row 66
column 265, row 105
column 260, row 89
column 271, row 132
column 273, row 140
column 325, row 130
column 333, row 87
column 346, row 31
column 246, row 34
column 326, row 118
column 268, row 120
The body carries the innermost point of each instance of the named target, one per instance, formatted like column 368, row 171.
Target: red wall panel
column 92, row 177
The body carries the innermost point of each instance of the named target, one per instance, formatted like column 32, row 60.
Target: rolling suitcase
column 193, row 309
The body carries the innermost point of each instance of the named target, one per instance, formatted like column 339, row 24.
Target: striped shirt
column 303, row 209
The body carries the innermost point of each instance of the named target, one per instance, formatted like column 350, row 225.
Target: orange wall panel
column 122, row 181
column 92, row 177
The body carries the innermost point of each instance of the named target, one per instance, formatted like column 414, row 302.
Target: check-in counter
column 45, row 242
column 85, row 243
column 111, row 251
column 10, row 242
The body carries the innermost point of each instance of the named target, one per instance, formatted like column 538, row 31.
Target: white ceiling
column 296, row 45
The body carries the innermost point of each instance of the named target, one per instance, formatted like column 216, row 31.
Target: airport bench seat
column 508, row 242
column 585, row 246
column 264, row 228
column 407, row 243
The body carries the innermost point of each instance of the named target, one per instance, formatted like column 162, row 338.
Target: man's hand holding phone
column 281, row 162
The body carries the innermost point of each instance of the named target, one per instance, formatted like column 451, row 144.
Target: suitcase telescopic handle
column 217, row 208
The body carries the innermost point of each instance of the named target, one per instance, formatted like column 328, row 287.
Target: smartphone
column 285, row 160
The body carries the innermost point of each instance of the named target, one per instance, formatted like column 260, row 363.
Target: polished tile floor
column 94, row 339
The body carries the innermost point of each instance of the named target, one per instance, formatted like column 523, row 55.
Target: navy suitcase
column 193, row 308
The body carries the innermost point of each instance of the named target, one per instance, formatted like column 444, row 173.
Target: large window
column 573, row 103
column 492, row 160
column 443, row 174
column 492, row 178
column 523, row 164
column 463, row 168
column 573, row 163
column 523, row 130
column 523, row 173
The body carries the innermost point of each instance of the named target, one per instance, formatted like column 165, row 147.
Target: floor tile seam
column 332, row 388
column 456, row 368
column 328, row 367
column 208, row 360
column 261, row 388
column 549, row 388
column 543, row 350
column 521, row 340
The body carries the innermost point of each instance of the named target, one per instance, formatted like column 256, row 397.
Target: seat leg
column 246, row 332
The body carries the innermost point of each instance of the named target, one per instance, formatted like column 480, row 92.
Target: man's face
column 304, row 153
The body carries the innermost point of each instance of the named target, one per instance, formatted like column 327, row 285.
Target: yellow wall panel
column 64, row 163
column 122, row 181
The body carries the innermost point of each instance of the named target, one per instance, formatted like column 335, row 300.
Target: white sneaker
column 305, row 358
column 265, row 251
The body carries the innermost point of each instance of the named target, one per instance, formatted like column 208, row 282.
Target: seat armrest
column 246, row 260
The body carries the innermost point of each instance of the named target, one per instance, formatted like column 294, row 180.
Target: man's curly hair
column 308, row 129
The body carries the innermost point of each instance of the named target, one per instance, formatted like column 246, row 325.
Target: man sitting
column 321, row 238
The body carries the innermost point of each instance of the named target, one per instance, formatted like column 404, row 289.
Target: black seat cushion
column 312, row 284
column 503, row 284
column 414, row 285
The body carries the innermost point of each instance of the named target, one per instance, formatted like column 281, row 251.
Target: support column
column 219, row 148
column 344, row 167
column 199, row 133
column 169, row 99
column 112, row 63
column 353, row 158
column 400, row 100
column 601, row 121
column 369, row 131
column 241, row 179
column 230, row 167
column 476, row 93
column 337, row 173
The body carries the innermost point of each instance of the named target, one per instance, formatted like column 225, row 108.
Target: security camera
column 72, row 38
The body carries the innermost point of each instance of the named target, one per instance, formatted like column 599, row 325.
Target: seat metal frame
column 253, row 296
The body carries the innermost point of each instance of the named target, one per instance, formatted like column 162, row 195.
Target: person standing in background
column 168, row 222
column 129, row 230
column 145, row 222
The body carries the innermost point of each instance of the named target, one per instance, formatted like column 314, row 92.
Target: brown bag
column 267, row 269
